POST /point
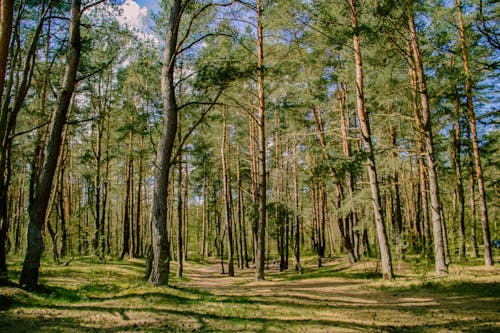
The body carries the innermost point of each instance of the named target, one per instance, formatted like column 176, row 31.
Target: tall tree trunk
column 38, row 207
column 161, row 257
column 180, row 238
column 127, row 211
column 186, row 209
column 8, row 116
column 138, row 228
column 488, row 259
column 226, row 183
column 241, row 216
column 472, row 186
column 296, row 248
column 97, row 188
column 367, row 141
column 6, row 19
column 262, row 191
column 397, row 216
column 456, row 161
column 253, row 183
column 439, row 251
column 204, row 216
column 6, row 15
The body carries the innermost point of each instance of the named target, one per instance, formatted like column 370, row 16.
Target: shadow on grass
column 460, row 288
column 209, row 322
column 330, row 272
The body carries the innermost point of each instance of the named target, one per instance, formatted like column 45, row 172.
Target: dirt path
column 336, row 298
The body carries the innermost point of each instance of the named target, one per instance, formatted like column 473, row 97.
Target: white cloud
column 136, row 17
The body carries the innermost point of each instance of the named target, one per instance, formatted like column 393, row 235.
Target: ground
column 88, row 296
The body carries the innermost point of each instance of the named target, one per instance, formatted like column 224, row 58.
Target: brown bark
column 439, row 251
column 161, row 256
column 226, row 181
column 127, row 210
column 459, row 200
column 488, row 259
column 296, row 248
column 367, row 141
column 6, row 19
column 38, row 207
column 180, row 238
column 262, row 185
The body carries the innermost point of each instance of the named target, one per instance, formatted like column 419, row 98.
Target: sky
column 137, row 15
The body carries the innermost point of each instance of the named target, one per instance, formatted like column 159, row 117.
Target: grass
column 92, row 296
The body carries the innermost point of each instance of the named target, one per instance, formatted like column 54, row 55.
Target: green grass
column 111, row 296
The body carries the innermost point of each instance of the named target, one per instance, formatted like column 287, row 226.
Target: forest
column 232, row 150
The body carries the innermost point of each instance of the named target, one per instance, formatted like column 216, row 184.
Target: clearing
column 90, row 296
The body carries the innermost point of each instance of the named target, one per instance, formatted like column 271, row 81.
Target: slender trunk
column 241, row 217
column 488, row 259
column 185, row 209
column 161, row 256
column 204, row 218
column 180, row 240
column 262, row 185
column 253, row 183
column 226, row 183
column 397, row 217
column 127, row 215
column 367, row 141
column 38, row 207
column 97, row 189
column 456, row 159
column 472, row 187
column 138, row 229
column 439, row 251
column 6, row 19
column 296, row 249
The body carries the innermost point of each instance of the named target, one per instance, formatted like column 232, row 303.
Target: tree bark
column 296, row 248
column 161, row 257
column 38, row 207
column 439, row 251
column 456, row 161
column 226, row 181
column 127, row 210
column 367, row 141
column 488, row 259
column 262, row 185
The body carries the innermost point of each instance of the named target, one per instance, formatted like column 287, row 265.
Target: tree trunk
column 488, row 259
column 6, row 16
column 367, row 141
column 456, row 161
column 472, row 187
column 262, row 185
column 226, row 183
column 161, row 257
column 241, row 216
column 204, row 217
column 127, row 211
column 6, row 19
column 138, row 240
column 38, row 207
column 439, row 251
column 296, row 248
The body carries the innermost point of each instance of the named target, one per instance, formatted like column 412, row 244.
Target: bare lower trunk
column 161, row 258
column 226, row 181
column 38, row 207
column 439, row 251
column 262, row 185
column 367, row 141
column 488, row 259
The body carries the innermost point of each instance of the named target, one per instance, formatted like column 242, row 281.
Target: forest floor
column 87, row 296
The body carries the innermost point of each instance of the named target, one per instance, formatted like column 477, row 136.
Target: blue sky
column 152, row 5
